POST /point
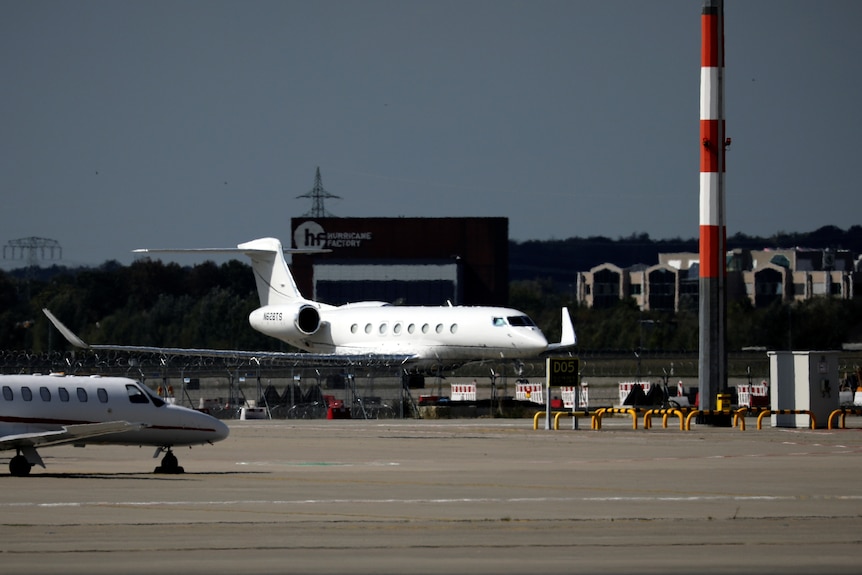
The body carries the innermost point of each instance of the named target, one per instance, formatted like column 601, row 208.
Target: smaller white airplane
column 47, row 410
column 416, row 337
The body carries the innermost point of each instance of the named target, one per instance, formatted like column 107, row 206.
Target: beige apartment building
column 763, row 276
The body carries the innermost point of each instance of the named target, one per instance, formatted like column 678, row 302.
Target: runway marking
column 320, row 463
column 494, row 500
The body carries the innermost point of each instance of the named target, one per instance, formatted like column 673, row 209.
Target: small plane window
column 439, row 328
column 26, row 394
column 424, row 328
column 499, row 321
column 367, row 328
column 382, row 328
column 453, row 328
column 7, row 393
column 45, row 393
column 103, row 394
column 354, row 328
column 82, row 395
column 411, row 328
column 135, row 394
column 396, row 328
column 63, row 393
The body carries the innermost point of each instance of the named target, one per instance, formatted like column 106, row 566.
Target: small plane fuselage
column 34, row 404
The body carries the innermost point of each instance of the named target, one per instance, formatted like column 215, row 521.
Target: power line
column 317, row 195
column 33, row 249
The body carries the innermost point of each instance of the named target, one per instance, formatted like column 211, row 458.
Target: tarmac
column 447, row 496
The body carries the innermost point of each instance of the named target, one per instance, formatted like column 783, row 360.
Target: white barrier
column 533, row 392
column 568, row 395
column 627, row 386
column 463, row 392
column 752, row 395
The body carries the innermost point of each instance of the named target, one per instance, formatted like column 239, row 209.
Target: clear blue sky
column 197, row 123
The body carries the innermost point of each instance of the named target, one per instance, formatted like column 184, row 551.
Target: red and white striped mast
column 712, row 378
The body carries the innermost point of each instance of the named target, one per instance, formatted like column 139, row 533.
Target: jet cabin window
column 45, row 393
column 63, row 393
column 26, row 394
column 7, row 393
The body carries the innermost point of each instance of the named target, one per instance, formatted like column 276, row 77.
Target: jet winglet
column 568, row 338
column 67, row 333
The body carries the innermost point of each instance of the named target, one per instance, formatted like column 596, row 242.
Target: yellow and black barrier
column 601, row 412
column 766, row 412
column 665, row 413
column 739, row 415
column 843, row 412
column 559, row 414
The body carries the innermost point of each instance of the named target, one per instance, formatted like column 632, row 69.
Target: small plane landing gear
column 169, row 464
column 19, row 466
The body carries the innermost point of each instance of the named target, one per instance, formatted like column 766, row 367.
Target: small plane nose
column 220, row 429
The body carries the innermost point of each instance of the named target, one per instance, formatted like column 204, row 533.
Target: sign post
column 560, row 371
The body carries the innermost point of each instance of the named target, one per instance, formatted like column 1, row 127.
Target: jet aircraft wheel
column 19, row 466
column 169, row 464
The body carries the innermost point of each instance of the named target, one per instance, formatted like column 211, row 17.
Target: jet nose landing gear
column 169, row 465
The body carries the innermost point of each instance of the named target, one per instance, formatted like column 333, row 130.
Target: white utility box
column 803, row 381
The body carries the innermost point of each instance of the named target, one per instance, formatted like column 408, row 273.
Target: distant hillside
column 561, row 260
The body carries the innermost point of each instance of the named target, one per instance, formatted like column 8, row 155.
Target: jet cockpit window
column 520, row 321
column 499, row 321
column 157, row 401
column 135, row 394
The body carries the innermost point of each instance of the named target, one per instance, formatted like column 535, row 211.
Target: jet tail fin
column 275, row 283
column 568, row 338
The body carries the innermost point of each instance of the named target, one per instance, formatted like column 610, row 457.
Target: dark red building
column 411, row 261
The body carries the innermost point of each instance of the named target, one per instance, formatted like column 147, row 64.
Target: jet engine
column 286, row 322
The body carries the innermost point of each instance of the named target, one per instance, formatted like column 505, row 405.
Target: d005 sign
column 562, row 371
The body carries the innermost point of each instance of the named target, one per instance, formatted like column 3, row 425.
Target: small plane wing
column 568, row 338
column 298, row 358
column 66, row 434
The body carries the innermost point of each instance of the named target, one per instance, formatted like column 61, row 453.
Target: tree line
column 207, row 305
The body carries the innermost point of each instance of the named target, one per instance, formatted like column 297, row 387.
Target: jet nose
column 536, row 341
column 208, row 428
column 220, row 429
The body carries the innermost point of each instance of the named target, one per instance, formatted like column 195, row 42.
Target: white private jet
column 46, row 410
column 418, row 337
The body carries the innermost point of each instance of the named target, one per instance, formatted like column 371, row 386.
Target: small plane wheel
column 19, row 466
column 169, row 464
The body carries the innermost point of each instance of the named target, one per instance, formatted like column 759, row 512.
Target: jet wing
column 298, row 358
column 66, row 434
